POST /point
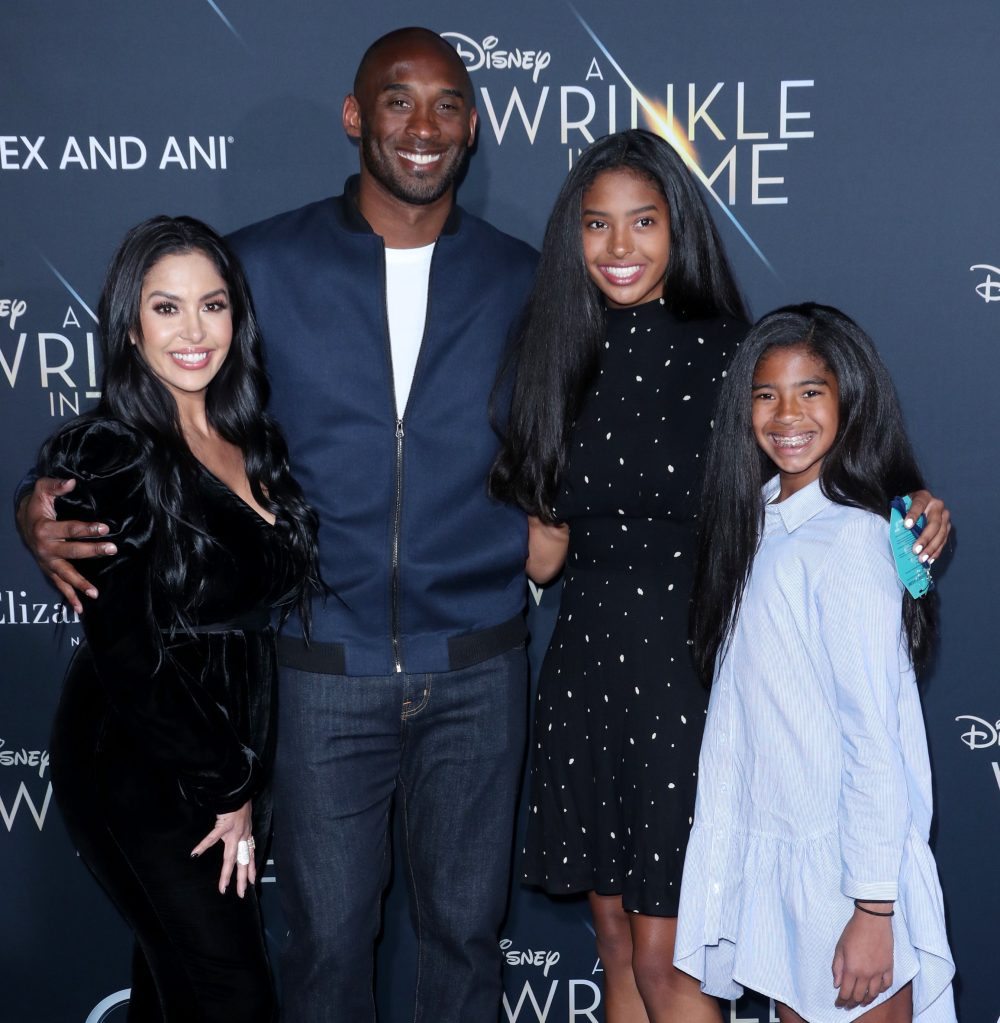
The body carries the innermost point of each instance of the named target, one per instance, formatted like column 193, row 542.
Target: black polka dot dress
column 620, row 713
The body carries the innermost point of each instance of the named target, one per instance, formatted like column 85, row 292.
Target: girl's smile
column 794, row 414
column 626, row 237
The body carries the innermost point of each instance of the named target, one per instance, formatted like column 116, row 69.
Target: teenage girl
column 808, row 875
column 627, row 333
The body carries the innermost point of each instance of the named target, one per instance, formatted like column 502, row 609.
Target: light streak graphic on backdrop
column 69, row 287
column 225, row 21
column 665, row 129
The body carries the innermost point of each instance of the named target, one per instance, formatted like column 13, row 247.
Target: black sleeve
column 178, row 722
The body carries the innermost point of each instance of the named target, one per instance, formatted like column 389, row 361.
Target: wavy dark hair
column 235, row 402
column 871, row 462
column 554, row 354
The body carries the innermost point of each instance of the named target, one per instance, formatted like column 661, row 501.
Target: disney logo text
column 12, row 308
column 485, row 54
column 989, row 290
column 982, row 734
column 528, row 958
column 24, row 758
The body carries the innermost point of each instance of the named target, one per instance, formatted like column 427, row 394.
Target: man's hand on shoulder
column 54, row 544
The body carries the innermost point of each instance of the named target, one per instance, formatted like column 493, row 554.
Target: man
column 385, row 312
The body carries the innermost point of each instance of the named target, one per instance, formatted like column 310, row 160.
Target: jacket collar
column 350, row 216
column 796, row 510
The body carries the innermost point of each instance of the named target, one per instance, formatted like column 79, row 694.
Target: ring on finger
column 243, row 853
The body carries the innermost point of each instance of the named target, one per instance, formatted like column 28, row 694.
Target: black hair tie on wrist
column 873, row 912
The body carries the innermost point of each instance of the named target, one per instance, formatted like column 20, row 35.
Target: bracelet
column 873, row 912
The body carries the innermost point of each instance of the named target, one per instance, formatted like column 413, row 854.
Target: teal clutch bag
column 914, row 574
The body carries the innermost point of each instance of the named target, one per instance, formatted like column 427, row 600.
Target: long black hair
column 235, row 401
column 870, row 462
column 554, row 355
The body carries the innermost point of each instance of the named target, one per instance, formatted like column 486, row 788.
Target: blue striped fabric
column 814, row 782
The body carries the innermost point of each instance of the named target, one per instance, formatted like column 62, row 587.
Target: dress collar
column 794, row 510
column 645, row 314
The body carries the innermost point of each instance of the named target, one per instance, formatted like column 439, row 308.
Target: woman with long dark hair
column 163, row 740
column 627, row 333
column 808, row 876
column 624, row 342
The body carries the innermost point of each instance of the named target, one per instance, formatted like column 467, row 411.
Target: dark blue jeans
column 449, row 746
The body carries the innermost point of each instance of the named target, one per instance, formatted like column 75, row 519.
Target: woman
column 163, row 738
column 625, row 339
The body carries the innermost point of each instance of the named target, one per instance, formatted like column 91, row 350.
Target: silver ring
column 243, row 853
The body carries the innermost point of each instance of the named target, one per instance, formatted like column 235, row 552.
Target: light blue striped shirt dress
column 814, row 784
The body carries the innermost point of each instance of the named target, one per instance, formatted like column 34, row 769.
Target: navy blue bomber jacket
column 428, row 569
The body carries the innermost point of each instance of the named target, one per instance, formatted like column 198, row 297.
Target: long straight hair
column 871, row 461
column 235, row 402
column 555, row 352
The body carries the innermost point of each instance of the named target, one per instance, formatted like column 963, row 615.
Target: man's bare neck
column 402, row 225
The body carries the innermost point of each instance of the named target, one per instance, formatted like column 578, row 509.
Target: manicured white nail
column 917, row 548
column 908, row 523
column 924, row 557
column 930, row 561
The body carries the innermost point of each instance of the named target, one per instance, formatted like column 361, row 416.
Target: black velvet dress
column 157, row 733
column 620, row 712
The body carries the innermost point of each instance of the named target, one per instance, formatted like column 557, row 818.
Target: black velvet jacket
column 198, row 704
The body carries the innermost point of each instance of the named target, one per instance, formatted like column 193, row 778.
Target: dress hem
column 585, row 887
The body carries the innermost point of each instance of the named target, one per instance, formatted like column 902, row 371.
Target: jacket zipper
column 397, row 656
column 396, row 614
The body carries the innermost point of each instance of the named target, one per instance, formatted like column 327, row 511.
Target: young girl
column 808, row 875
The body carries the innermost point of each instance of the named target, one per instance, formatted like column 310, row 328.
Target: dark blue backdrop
column 852, row 150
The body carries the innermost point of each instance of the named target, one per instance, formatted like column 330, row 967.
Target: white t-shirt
column 407, row 273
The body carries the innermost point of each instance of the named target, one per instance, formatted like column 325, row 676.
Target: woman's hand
column 232, row 829
column 930, row 543
column 862, row 963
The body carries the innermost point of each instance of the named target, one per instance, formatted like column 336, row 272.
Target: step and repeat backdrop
column 850, row 152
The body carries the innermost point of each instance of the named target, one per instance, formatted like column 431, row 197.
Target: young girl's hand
column 547, row 546
column 862, row 963
column 930, row 543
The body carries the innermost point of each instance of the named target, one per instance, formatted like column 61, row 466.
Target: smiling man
column 408, row 154
column 385, row 317
column 385, row 312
